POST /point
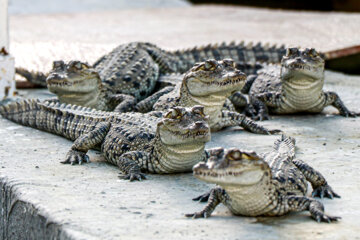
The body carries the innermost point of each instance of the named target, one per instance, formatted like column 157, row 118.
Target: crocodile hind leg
column 316, row 208
column 320, row 186
column 82, row 144
column 130, row 162
column 229, row 119
column 331, row 98
column 147, row 104
column 216, row 196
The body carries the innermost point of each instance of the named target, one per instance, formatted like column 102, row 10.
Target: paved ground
column 42, row 197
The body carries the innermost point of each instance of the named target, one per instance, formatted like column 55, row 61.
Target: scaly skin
column 135, row 142
column 294, row 86
column 209, row 84
column 132, row 70
column 270, row 185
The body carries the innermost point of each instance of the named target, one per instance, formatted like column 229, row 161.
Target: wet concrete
column 42, row 199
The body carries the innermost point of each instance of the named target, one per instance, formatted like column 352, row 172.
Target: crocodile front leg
column 320, row 187
column 215, row 198
column 123, row 102
column 147, row 104
column 85, row 142
column 129, row 165
column 229, row 119
column 331, row 98
column 261, row 102
column 316, row 208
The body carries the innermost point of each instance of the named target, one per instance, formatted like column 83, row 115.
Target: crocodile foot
column 350, row 114
column 324, row 191
column 133, row 176
column 321, row 217
column 202, row 198
column 76, row 157
column 202, row 214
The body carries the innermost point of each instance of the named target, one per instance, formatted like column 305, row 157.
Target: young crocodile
column 209, row 84
column 294, row 86
column 135, row 142
column 133, row 69
column 271, row 185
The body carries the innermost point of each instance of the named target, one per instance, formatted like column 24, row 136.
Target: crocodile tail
column 285, row 145
column 239, row 52
column 37, row 78
column 69, row 121
column 22, row 112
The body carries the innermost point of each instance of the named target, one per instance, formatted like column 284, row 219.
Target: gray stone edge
column 20, row 219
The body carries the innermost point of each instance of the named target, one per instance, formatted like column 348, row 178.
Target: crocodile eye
column 171, row 114
column 174, row 114
column 74, row 65
column 210, row 65
column 250, row 155
column 78, row 66
column 198, row 67
column 198, row 110
column 313, row 53
column 58, row 64
column 292, row 51
column 84, row 66
column 197, row 64
column 234, row 155
column 229, row 63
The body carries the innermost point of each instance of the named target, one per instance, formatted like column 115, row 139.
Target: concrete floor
column 43, row 199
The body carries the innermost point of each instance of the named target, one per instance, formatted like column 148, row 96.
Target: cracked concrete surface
column 43, row 199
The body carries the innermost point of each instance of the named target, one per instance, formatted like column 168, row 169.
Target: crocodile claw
column 350, row 114
column 275, row 131
column 76, row 157
column 321, row 217
column 324, row 191
column 201, row 214
column 133, row 176
column 261, row 117
column 202, row 198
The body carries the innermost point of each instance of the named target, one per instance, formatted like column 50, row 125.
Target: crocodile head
column 232, row 167
column 302, row 64
column 184, row 126
column 214, row 77
column 74, row 77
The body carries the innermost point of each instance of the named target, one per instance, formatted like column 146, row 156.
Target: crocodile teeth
column 227, row 82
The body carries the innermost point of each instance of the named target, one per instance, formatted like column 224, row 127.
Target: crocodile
column 132, row 70
column 156, row 142
column 271, row 184
column 209, row 84
column 294, row 86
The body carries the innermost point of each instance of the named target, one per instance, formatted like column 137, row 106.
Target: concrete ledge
column 42, row 198
column 21, row 219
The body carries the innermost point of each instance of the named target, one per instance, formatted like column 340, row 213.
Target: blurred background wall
column 318, row 5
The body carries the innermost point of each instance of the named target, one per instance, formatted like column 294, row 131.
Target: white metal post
column 7, row 62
